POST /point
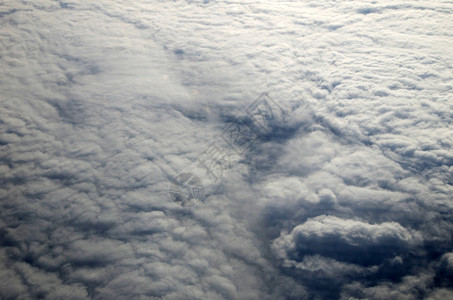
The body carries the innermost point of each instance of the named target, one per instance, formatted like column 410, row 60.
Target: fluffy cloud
column 346, row 240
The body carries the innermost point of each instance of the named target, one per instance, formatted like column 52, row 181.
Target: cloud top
column 346, row 240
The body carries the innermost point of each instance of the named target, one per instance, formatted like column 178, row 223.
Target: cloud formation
column 346, row 240
column 346, row 196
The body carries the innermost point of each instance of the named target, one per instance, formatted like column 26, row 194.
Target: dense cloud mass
column 330, row 123
column 352, row 241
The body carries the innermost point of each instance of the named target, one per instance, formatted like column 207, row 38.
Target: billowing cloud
column 346, row 240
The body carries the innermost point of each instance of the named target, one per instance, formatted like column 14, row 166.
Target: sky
column 226, row 149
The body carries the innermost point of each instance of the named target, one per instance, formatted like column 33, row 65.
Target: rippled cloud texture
column 348, row 197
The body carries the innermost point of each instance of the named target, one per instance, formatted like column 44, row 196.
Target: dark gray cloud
column 344, row 193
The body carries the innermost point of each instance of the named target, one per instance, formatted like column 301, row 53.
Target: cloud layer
column 345, row 194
